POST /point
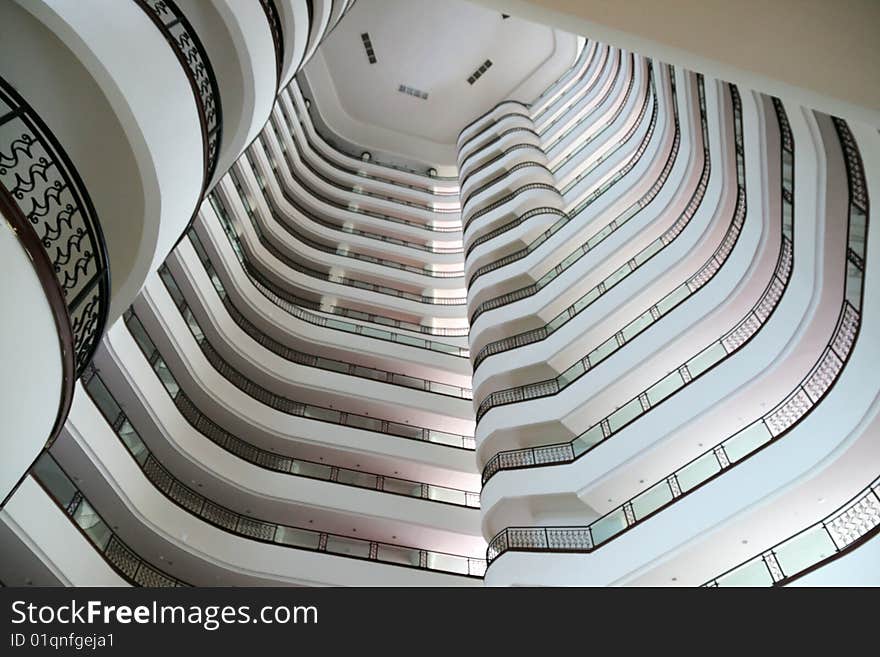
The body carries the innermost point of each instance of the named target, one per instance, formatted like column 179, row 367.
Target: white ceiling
column 433, row 46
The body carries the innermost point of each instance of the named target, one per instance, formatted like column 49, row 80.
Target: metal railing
column 43, row 192
column 348, row 188
column 843, row 530
column 674, row 380
column 294, row 307
column 347, row 206
column 290, row 227
column 188, row 49
column 62, row 490
column 271, row 460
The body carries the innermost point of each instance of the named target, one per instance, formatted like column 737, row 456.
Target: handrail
column 600, row 236
column 303, row 358
column 296, row 265
column 623, row 217
column 771, row 425
column 630, row 85
column 576, row 70
column 190, row 52
column 284, row 404
column 694, row 367
column 269, row 459
column 289, row 227
column 52, row 215
column 342, row 228
column 293, row 307
column 339, row 204
column 61, row 489
column 274, row 20
column 266, row 532
column 583, row 94
column 650, row 89
column 843, row 530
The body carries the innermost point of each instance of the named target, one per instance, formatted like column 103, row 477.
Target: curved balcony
column 569, row 79
column 479, row 304
column 490, row 116
column 55, row 253
column 591, row 63
column 697, row 278
column 774, row 423
column 340, row 295
column 619, row 171
column 420, row 179
column 368, row 247
column 321, row 259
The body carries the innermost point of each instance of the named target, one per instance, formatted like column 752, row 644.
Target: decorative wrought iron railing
column 50, row 207
column 188, row 49
column 274, row 20
column 253, row 528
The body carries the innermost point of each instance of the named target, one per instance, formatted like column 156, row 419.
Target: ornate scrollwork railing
column 277, row 36
column 189, row 50
column 40, row 181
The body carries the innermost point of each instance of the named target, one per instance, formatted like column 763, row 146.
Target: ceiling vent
column 368, row 46
column 476, row 75
column 413, row 92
